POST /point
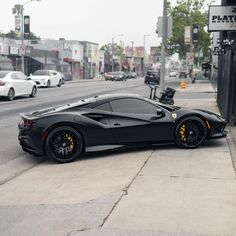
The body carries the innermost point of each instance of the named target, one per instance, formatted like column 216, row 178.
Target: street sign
column 188, row 35
column 189, row 58
column 160, row 24
column 21, row 51
column 222, row 18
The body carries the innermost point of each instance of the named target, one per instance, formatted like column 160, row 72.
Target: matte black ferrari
column 63, row 133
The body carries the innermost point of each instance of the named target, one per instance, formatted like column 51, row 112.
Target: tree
column 118, row 50
column 12, row 35
column 187, row 13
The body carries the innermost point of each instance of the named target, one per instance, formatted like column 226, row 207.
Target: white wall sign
column 187, row 35
column 222, row 18
column 14, row 50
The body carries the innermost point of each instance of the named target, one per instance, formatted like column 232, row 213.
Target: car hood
column 204, row 113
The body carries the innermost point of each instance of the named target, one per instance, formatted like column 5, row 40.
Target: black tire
column 34, row 92
column 48, row 84
column 11, row 94
column 60, row 83
column 64, row 144
column 190, row 132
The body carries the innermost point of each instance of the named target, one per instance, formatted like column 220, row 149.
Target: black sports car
column 62, row 133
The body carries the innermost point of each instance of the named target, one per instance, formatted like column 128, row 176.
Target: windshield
column 116, row 73
column 3, row 74
column 41, row 72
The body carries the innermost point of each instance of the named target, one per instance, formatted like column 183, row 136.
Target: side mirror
column 160, row 112
column 28, row 78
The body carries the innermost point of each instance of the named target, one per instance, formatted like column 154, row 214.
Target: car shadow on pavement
column 212, row 144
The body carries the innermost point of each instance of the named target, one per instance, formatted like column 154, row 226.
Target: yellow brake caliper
column 182, row 132
column 71, row 142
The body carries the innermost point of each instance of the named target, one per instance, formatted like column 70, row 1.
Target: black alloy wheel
column 48, row 84
column 190, row 132
column 64, row 144
column 11, row 94
column 34, row 92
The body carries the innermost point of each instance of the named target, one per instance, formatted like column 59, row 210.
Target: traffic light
column 195, row 33
column 26, row 27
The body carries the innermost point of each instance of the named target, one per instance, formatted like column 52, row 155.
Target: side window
column 14, row 76
column 133, row 105
column 21, row 76
column 104, row 107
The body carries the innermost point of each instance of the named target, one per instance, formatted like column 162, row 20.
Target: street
column 135, row 191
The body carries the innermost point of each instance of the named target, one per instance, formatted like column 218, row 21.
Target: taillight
column 2, row 83
column 27, row 123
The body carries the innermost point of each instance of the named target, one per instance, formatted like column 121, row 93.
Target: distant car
column 15, row 83
column 132, row 75
column 46, row 78
column 183, row 74
column 173, row 74
column 152, row 76
column 116, row 76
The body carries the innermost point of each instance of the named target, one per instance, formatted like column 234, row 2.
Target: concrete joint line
column 126, row 189
column 232, row 147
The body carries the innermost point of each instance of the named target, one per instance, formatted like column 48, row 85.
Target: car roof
column 107, row 97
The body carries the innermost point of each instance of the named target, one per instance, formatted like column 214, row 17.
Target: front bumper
column 41, row 83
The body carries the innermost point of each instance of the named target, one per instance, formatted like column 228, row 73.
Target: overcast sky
column 91, row 20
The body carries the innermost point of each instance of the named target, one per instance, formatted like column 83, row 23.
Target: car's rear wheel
column 64, row 144
column 11, row 94
column 190, row 132
column 34, row 92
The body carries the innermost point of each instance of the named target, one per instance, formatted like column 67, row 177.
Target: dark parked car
column 116, row 76
column 152, row 76
column 63, row 133
column 132, row 75
column 183, row 74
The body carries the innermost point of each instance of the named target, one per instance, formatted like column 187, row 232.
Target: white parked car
column 46, row 78
column 15, row 83
column 173, row 74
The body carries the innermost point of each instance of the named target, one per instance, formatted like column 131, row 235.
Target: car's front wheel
column 190, row 132
column 11, row 94
column 64, row 144
column 59, row 83
column 48, row 84
column 34, row 92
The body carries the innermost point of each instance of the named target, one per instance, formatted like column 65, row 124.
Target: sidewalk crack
column 126, row 189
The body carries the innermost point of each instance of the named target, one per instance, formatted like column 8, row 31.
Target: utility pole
column 164, row 36
column 132, row 55
column 19, row 10
column 144, row 53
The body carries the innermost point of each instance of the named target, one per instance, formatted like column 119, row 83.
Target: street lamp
column 19, row 10
column 112, row 49
column 144, row 53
